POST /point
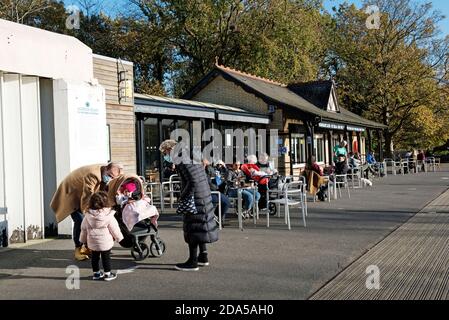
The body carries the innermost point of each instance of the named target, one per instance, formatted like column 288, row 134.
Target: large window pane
column 298, row 149
column 168, row 126
column 319, row 148
column 152, row 154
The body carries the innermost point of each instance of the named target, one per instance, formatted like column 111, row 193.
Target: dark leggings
column 77, row 218
column 105, row 259
column 193, row 250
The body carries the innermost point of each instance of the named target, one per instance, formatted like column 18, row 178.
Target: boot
column 86, row 251
column 79, row 256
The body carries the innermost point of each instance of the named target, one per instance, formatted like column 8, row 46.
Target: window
column 152, row 154
column 298, row 148
column 319, row 148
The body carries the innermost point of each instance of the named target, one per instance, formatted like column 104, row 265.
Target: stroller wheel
column 140, row 252
column 155, row 251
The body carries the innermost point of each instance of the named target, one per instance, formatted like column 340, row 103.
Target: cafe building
column 157, row 117
column 308, row 117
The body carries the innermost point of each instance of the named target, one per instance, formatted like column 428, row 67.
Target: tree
column 21, row 11
column 273, row 38
column 45, row 14
column 394, row 75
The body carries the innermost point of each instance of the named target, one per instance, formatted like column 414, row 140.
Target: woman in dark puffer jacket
column 200, row 228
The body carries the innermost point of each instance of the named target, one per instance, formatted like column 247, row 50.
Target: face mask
column 120, row 199
column 106, row 179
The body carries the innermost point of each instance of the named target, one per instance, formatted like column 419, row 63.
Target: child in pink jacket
column 99, row 230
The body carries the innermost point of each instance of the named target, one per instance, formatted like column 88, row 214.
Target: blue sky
column 117, row 6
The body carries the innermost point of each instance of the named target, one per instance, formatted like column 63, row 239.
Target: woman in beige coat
column 73, row 195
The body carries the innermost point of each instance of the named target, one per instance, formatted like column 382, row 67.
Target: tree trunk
column 388, row 147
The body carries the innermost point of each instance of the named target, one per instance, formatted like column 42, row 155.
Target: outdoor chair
column 355, row 175
column 238, row 205
column 293, row 195
column 390, row 163
column 218, row 193
column 341, row 181
column 174, row 187
column 431, row 164
column 438, row 164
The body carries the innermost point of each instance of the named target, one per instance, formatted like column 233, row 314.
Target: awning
column 174, row 111
column 243, row 118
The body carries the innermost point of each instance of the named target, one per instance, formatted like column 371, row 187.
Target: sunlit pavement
column 258, row 263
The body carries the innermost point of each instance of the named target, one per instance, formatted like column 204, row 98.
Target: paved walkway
column 413, row 262
column 258, row 263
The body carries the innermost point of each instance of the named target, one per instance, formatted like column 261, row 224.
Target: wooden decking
column 413, row 262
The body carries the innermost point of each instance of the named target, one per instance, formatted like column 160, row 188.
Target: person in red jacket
column 253, row 172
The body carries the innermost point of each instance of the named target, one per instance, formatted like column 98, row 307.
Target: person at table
column 214, row 185
column 341, row 166
column 265, row 165
column 253, row 172
column 422, row 159
column 340, row 150
column 372, row 162
column 315, row 182
column 234, row 179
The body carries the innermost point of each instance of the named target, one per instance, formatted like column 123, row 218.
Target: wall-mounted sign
column 331, row 125
column 283, row 150
column 356, row 129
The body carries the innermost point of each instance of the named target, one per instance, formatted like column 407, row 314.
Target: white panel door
column 12, row 137
column 32, row 167
column 2, row 177
column 3, row 212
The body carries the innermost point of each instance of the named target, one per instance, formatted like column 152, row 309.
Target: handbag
column 187, row 206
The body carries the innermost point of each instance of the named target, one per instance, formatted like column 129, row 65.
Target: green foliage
column 397, row 75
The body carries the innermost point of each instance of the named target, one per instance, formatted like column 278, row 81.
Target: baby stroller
column 137, row 218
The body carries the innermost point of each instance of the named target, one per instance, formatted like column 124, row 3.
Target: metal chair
column 218, row 193
column 438, row 164
column 293, row 195
column 355, row 174
column 341, row 180
column 431, row 164
column 172, row 184
column 390, row 163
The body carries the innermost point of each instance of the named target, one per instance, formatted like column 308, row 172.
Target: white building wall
column 3, row 209
column 33, row 51
column 80, row 130
column 31, row 157
column 14, row 180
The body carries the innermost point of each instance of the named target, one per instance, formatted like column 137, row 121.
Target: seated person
column 264, row 164
column 253, row 172
column 341, row 166
column 214, row 185
column 234, row 179
column 137, row 211
column 312, row 166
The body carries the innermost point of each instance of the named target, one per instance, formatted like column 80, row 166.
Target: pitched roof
column 276, row 93
column 316, row 92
